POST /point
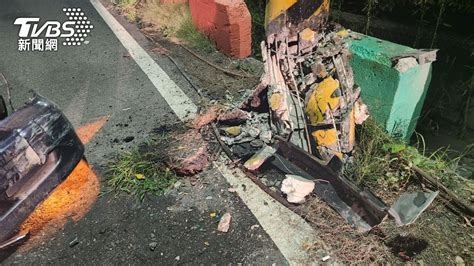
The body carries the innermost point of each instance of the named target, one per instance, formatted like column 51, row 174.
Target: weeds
column 381, row 160
column 127, row 7
column 167, row 18
column 141, row 171
column 172, row 20
column 193, row 37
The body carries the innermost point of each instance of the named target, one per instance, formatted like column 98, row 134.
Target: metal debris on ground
column 301, row 118
column 411, row 206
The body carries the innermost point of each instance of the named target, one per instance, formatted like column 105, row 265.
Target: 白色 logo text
column 35, row 35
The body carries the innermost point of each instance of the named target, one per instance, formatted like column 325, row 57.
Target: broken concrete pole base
column 297, row 188
column 187, row 153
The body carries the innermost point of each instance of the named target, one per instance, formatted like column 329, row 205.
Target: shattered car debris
column 360, row 208
column 38, row 150
column 303, row 116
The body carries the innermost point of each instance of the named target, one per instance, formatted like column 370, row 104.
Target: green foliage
column 141, row 171
column 381, row 160
column 193, row 37
column 257, row 11
column 127, row 7
column 125, row 3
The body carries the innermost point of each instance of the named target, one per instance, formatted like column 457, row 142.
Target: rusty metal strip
column 359, row 208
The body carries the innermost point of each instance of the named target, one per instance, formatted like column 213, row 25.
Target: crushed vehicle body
column 38, row 150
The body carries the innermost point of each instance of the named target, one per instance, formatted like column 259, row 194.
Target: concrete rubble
column 187, row 153
column 224, row 223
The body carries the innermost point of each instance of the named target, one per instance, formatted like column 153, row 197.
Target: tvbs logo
column 36, row 36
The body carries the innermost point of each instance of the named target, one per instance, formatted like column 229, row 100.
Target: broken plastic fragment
column 275, row 101
column 296, row 188
column 307, row 34
column 409, row 206
column 343, row 33
column 259, row 158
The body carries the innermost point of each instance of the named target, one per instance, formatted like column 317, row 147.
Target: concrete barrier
column 394, row 80
column 226, row 22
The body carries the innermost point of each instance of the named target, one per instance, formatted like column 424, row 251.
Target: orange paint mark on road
column 72, row 199
column 87, row 132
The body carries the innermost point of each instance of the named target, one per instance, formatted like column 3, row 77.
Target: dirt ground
column 214, row 84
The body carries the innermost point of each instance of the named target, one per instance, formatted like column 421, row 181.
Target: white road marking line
column 173, row 95
column 286, row 229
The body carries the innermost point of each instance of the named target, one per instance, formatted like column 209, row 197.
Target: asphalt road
column 100, row 79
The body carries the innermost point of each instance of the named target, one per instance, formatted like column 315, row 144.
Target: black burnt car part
column 38, row 150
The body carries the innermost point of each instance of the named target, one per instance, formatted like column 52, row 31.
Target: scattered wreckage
column 38, row 150
column 301, row 118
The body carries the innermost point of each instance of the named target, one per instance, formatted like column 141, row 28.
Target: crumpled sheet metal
column 360, row 208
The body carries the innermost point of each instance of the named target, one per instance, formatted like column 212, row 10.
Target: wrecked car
column 38, row 150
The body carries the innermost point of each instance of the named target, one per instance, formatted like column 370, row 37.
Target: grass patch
column 141, row 171
column 381, row 160
column 172, row 20
column 166, row 18
column 193, row 37
column 127, row 8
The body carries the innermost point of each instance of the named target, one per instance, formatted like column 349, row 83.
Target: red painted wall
column 226, row 22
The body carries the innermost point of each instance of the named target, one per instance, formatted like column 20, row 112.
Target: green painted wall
column 394, row 98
